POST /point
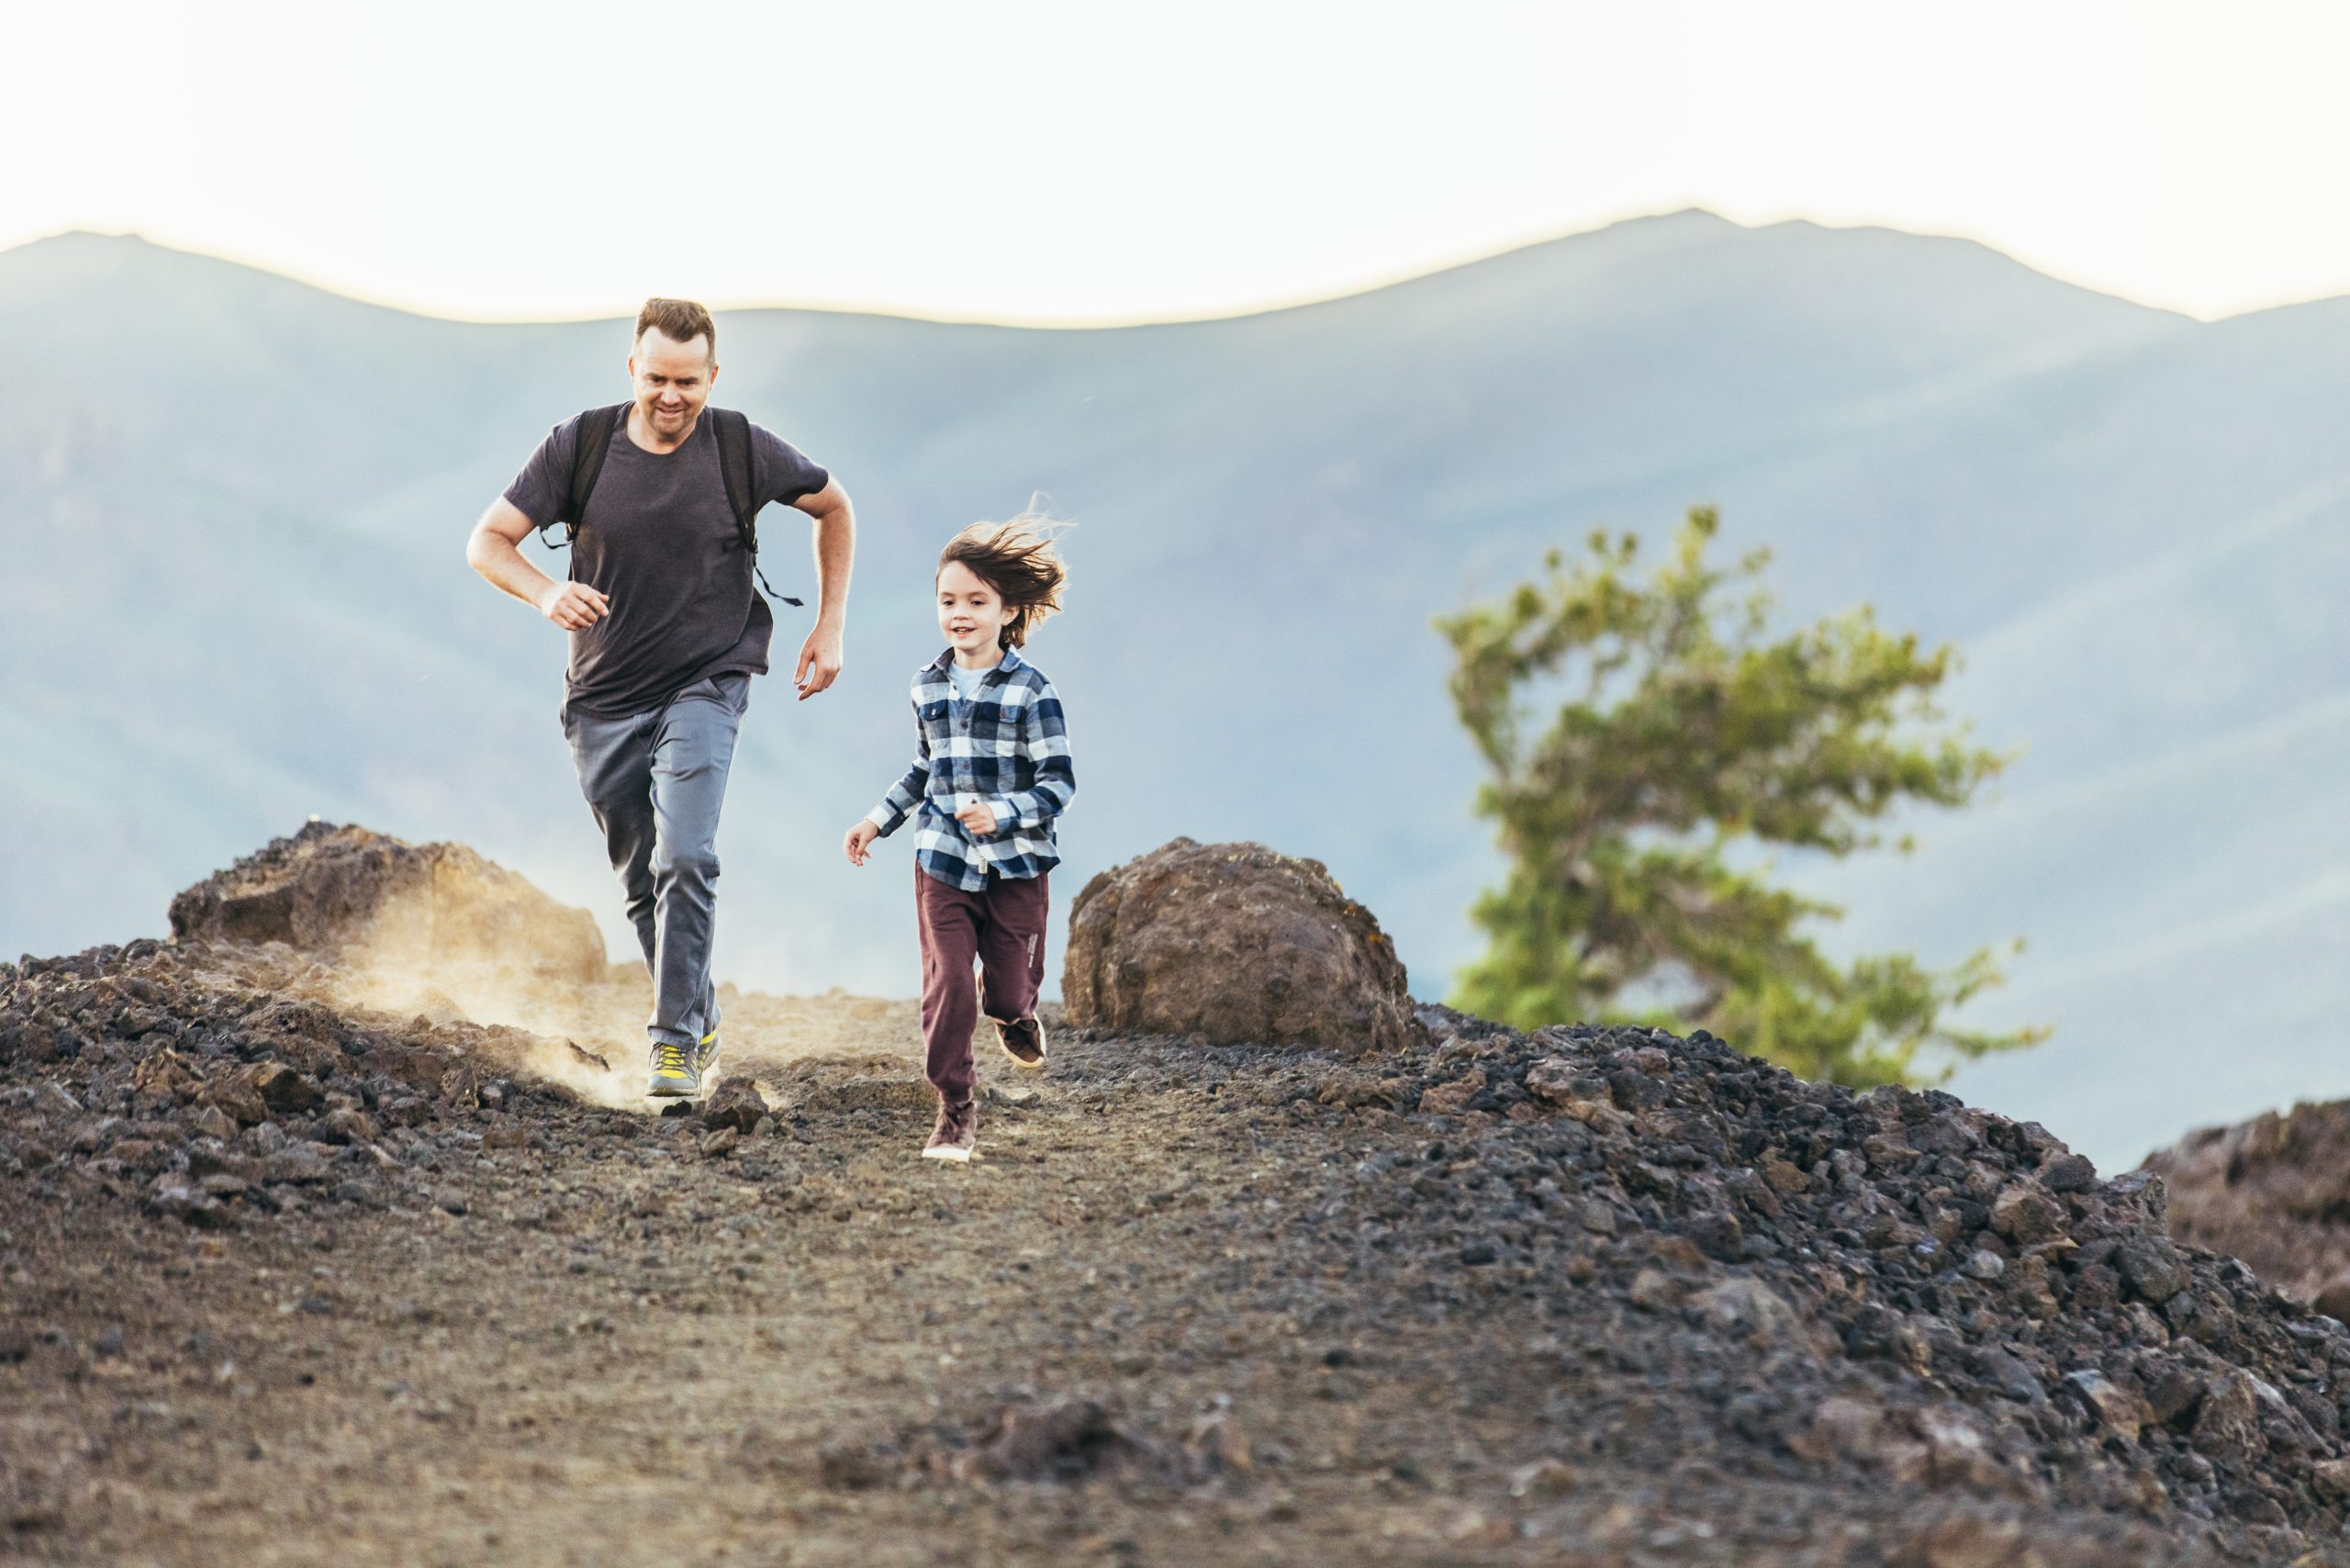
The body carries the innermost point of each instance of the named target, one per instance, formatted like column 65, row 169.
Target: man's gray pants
column 655, row 782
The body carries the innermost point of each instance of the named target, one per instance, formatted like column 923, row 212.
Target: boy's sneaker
column 706, row 1054
column 1022, row 1040
column 957, row 1133
column 674, row 1071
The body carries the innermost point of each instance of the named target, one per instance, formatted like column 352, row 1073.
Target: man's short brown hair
column 680, row 320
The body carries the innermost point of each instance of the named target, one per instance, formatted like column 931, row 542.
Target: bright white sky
column 1134, row 159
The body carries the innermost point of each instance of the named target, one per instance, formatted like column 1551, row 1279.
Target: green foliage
column 1685, row 730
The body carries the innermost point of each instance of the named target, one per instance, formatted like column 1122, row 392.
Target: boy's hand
column 859, row 842
column 980, row 817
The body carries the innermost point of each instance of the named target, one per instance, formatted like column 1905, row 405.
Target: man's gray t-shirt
column 660, row 543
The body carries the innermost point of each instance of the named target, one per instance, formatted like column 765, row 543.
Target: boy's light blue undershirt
column 967, row 681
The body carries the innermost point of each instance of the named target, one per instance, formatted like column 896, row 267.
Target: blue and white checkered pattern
column 1007, row 745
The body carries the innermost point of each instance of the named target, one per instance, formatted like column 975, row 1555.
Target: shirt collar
column 1010, row 662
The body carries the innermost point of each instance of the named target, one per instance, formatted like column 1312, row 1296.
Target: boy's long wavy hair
column 1016, row 559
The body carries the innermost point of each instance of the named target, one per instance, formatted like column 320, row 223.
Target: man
column 667, row 630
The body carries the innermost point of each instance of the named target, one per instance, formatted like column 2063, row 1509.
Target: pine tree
column 1687, row 735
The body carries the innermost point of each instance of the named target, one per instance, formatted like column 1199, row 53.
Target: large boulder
column 348, row 891
column 2275, row 1192
column 1238, row 943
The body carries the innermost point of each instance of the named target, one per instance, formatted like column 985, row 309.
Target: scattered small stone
column 1744, row 1307
column 209, row 1121
column 2123, row 1410
column 2151, row 1270
column 282, row 1089
column 1543, row 1480
column 1215, row 1444
column 348, row 1124
column 735, row 1104
column 2068, row 1173
column 1063, row 1441
column 2227, row 1420
column 1451, row 1099
column 1841, row 1427
column 1654, row 1289
column 2025, row 1214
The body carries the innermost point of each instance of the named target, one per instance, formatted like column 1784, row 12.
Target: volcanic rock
column 2273, row 1192
column 2120, row 1408
column 328, row 890
column 735, row 1104
column 2024, row 1214
column 1236, row 944
column 2227, row 1422
column 1744, row 1307
column 2151, row 1270
column 280, row 1088
column 1067, row 1439
column 1451, row 1099
column 238, row 1099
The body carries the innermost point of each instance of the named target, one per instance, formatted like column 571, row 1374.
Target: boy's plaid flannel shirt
column 1008, row 745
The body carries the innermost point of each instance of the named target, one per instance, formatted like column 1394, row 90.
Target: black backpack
column 597, row 428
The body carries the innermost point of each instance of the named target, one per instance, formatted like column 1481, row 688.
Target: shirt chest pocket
column 938, row 730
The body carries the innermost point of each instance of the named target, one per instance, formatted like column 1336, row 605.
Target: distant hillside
column 235, row 508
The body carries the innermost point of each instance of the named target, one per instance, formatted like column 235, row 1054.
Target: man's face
column 672, row 381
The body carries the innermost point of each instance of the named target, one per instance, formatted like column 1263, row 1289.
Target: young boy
column 991, row 772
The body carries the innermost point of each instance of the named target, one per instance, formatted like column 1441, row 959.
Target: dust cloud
column 588, row 1036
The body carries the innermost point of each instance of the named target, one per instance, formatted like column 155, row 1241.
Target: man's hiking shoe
column 674, row 1071
column 706, row 1053
column 1022, row 1040
column 957, row 1133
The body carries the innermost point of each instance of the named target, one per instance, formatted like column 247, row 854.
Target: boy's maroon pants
column 1002, row 926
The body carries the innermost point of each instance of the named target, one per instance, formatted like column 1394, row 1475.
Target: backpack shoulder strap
column 739, row 464
column 597, row 427
column 734, row 457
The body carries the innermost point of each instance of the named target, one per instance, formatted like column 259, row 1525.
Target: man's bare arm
column 835, row 520
column 494, row 552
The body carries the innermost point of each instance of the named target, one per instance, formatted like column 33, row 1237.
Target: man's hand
column 979, row 818
column 820, row 661
column 835, row 540
column 858, row 845
column 575, row 607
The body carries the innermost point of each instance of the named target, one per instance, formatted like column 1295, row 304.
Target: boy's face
column 972, row 614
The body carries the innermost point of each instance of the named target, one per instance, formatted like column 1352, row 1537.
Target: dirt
column 452, row 1296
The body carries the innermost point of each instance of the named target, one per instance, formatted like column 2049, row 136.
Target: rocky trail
column 300, row 1263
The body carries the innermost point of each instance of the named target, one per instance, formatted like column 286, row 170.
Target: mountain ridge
column 280, row 622
column 1626, row 227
